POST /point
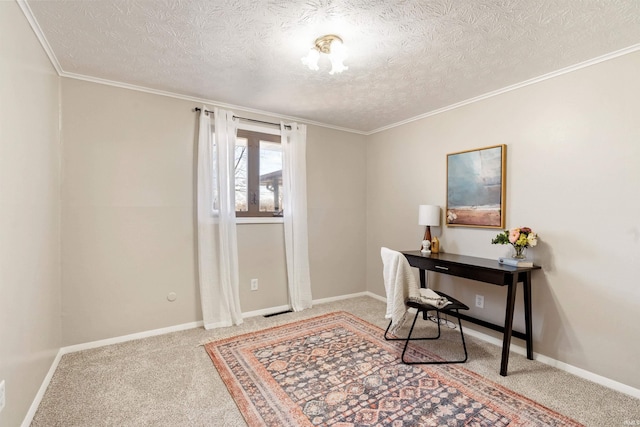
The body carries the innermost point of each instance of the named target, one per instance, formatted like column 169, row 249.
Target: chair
column 401, row 288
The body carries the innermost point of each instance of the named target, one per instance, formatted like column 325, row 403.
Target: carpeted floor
column 169, row 380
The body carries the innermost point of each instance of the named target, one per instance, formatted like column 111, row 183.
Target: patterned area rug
column 337, row 370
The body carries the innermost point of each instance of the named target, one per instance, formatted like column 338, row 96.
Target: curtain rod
column 245, row 118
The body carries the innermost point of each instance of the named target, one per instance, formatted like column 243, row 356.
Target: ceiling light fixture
column 332, row 46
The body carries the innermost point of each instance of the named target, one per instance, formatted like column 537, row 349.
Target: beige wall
column 29, row 214
column 128, row 220
column 127, row 217
column 572, row 175
column 336, row 173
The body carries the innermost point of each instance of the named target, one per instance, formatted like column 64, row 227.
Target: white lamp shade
column 429, row 215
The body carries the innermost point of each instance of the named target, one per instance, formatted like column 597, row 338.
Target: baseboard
column 43, row 388
column 587, row 375
column 579, row 372
column 266, row 311
column 130, row 337
column 376, row 296
column 339, row 298
column 281, row 308
column 116, row 340
column 185, row 326
column 614, row 385
column 94, row 344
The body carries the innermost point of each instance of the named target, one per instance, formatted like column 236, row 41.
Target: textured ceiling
column 406, row 58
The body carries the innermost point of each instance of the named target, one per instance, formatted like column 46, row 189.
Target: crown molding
column 553, row 74
column 56, row 64
column 35, row 26
column 204, row 101
column 26, row 10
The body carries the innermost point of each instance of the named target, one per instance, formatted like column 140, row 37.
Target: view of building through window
column 258, row 174
column 270, row 177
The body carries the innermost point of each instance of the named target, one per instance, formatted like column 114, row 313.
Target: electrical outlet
column 2, row 393
column 479, row 301
column 254, row 284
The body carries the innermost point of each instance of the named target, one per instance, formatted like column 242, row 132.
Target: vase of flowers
column 520, row 238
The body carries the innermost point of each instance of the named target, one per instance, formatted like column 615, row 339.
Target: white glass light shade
column 337, row 56
column 311, row 60
column 429, row 215
column 332, row 46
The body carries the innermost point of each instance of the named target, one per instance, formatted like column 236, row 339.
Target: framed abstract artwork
column 476, row 187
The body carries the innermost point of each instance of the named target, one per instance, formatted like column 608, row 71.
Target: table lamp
column 429, row 215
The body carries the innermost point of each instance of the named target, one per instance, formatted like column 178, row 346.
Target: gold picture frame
column 476, row 187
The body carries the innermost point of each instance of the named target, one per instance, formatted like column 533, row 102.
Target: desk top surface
column 486, row 263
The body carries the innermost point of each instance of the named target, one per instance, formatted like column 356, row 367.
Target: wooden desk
column 488, row 271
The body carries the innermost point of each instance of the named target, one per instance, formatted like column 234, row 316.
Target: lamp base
column 427, row 235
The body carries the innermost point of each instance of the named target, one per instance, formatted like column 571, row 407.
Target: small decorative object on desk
column 435, row 245
column 425, row 247
column 520, row 238
column 515, row 262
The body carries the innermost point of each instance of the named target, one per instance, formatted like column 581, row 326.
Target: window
column 258, row 174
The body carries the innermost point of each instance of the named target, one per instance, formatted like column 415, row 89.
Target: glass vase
column 519, row 252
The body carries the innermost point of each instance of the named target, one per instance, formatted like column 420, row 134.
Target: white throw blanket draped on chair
column 401, row 285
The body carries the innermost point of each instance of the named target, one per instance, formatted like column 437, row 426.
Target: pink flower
column 514, row 234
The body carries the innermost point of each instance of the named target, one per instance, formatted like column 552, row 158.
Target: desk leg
column 526, row 284
column 508, row 325
column 423, row 284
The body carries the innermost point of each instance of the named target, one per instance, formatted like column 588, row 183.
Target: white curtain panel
column 217, row 238
column 294, row 181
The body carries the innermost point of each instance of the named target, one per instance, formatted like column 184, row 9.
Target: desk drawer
column 497, row 277
column 481, row 275
column 454, row 270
